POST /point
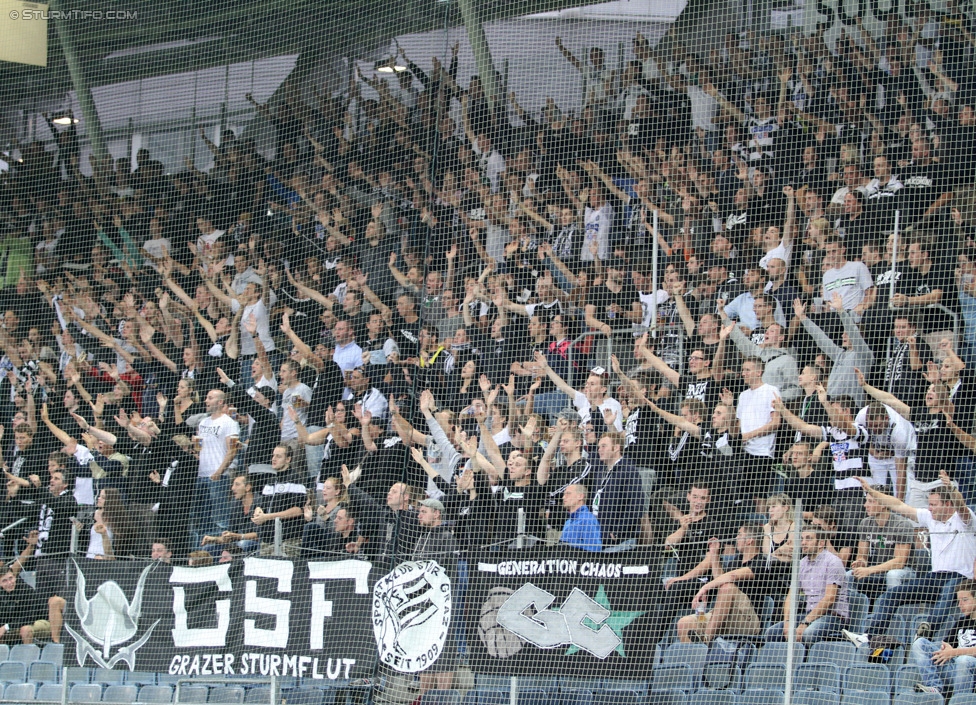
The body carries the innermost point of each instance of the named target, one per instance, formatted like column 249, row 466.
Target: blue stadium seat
column 4, row 652
column 233, row 694
column 193, row 693
column 43, row 672
column 722, row 676
column 761, row 697
column 483, row 681
column 619, row 696
column 25, row 653
column 867, row 676
column 576, row 696
column 677, row 677
column 19, row 692
column 78, row 674
column 713, row 697
column 120, row 694
column 918, row 699
column 821, row 676
column 814, row 697
column 156, row 694
column 533, row 696
column 49, row 692
column 562, row 683
column 140, row 678
column 905, row 679
column 858, row 604
column 775, row 653
column 491, row 696
column 691, row 655
column 53, row 653
column 258, row 696
column 85, row 693
column 861, row 697
column 668, row 697
column 762, row 676
column 305, row 695
column 106, row 676
column 963, row 699
column 840, row 653
column 441, row 697
column 13, row 672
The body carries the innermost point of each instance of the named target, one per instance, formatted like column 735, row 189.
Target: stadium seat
column 4, row 652
column 19, row 692
column 722, row 676
column 867, row 676
column 708, row 696
column 226, row 694
column 775, row 653
column 260, row 695
column 50, row 692
column 85, row 693
column 106, row 676
column 192, row 694
column 533, row 696
column 840, row 653
column 905, row 679
column 679, row 677
column 761, row 697
column 25, row 653
column 619, row 696
column 53, row 653
column 305, row 695
column 78, row 674
column 441, row 697
column 668, row 697
column 817, row 676
column 13, row 672
column 155, row 694
column 484, row 681
column 860, row 697
column 43, row 672
column 140, row 678
column 963, row 699
column 490, row 696
column 762, row 676
column 120, row 694
column 813, row 697
column 691, row 655
column 918, row 699
column 858, row 604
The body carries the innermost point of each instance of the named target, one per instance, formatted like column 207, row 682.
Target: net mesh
column 391, row 353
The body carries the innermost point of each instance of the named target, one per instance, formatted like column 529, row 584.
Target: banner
column 260, row 617
column 559, row 611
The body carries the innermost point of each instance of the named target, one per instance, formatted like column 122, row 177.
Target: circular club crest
column 411, row 615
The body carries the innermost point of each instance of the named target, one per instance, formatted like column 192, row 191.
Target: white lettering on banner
column 548, row 628
column 183, row 636
column 357, row 571
column 281, row 571
column 554, row 566
column 835, row 15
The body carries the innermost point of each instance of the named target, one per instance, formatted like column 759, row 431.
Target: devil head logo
column 109, row 620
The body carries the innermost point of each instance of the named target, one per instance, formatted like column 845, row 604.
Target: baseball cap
column 432, row 504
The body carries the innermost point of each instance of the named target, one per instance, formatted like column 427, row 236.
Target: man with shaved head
column 218, row 435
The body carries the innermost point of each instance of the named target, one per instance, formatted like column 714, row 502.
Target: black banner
column 260, row 616
column 560, row 611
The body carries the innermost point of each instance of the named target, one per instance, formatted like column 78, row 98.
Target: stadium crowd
column 376, row 336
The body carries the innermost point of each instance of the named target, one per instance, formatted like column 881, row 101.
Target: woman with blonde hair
column 778, row 531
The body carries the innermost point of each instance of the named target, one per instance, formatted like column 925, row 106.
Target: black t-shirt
column 603, row 298
column 533, row 498
column 705, row 390
column 640, row 431
column 936, row 448
column 283, row 492
column 963, row 634
column 764, row 581
column 882, row 275
column 406, row 336
column 922, row 186
column 940, row 276
column 694, row 546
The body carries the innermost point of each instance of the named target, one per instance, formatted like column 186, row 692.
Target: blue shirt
column 582, row 530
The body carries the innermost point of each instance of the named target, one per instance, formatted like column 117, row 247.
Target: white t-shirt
column 288, row 429
column 755, row 410
column 582, row 405
column 213, row 434
column 953, row 543
column 850, row 281
column 898, row 441
column 778, row 252
column 597, row 223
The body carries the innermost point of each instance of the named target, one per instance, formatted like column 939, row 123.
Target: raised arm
column 892, row 503
column 886, row 398
column 798, row 424
column 560, row 383
column 677, row 421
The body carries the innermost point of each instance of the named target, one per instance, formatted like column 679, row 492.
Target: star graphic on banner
column 616, row 621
